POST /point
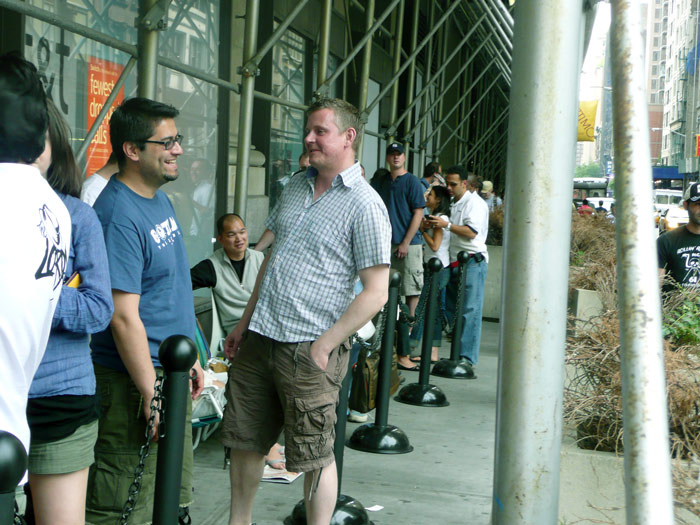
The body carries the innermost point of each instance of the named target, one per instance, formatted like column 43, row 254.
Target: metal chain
column 460, row 292
column 377, row 341
column 135, row 488
column 405, row 315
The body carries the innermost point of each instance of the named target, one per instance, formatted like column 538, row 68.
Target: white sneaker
column 357, row 417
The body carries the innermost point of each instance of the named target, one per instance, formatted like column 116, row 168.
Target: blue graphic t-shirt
column 147, row 257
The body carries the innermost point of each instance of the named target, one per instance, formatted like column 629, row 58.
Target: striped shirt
column 320, row 246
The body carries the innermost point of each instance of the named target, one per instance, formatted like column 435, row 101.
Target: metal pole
column 506, row 21
column 455, row 77
column 245, row 125
column 426, row 92
column 364, row 73
column 13, row 464
column 358, row 47
column 541, row 141
column 279, row 32
column 429, row 83
column 147, row 52
column 105, row 109
column 471, row 110
column 177, row 354
column 410, row 85
column 441, row 98
column 324, row 41
column 492, row 129
column 398, row 41
column 412, row 57
column 495, row 25
column 647, row 459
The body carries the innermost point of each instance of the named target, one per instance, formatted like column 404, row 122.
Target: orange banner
column 102, row 75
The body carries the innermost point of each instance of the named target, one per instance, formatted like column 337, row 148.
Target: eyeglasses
column 167, row 144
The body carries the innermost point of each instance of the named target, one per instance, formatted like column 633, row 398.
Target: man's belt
column 478, row 257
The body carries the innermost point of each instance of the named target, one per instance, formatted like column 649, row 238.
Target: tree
column 591, row 170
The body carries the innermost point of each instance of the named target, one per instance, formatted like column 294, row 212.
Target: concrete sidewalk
column 446, row 480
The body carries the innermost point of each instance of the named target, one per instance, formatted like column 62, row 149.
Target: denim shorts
column 274, row 386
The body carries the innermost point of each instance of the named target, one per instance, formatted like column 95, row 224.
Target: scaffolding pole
column 364, row 73
column 411, row 84
column 398, row 40
column 324, row 41
column 644, row 409
column 455, row 77
column 411, row 58
column 148, row 27
column 425, row 94
column 541, row 142
column 245, row 123
column 430, row 81
column 492, row 129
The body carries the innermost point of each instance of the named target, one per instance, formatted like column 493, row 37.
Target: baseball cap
column 487, row 186
column 692, row 193
column 394, row 146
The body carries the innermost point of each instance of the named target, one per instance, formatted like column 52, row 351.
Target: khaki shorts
column 63, row 456
column 410, row 268
column 273, row 385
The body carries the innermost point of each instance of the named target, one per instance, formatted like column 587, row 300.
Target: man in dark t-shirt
column 679, row 249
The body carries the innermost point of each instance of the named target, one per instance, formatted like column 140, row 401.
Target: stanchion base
column 348, row 511
column 453, row 369
column 386, row 439
column 422, row 395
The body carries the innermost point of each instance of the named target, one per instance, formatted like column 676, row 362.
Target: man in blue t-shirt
column 402, row 194
column 152, row 295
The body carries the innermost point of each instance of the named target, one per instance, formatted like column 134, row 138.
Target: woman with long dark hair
column 62, row 407
column 437, row 244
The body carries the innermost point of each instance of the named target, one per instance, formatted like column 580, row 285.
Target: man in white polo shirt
column 469, row 224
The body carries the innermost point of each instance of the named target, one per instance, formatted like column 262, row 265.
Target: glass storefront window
column 78, row 75
column 287, row 126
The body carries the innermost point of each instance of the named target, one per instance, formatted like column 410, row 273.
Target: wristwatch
column 449, row 225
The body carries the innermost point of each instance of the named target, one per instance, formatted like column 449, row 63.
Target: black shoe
column 183, row 516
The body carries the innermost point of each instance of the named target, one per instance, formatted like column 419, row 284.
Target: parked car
column 672, row 219
column 666, row 199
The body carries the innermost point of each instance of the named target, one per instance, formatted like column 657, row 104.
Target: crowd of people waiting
column 92, row 287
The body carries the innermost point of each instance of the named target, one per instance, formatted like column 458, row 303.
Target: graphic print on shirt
column 166, row 232
column 55, row 258
column 691, row 260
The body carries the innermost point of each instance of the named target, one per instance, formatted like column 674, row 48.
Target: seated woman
column 62, row 408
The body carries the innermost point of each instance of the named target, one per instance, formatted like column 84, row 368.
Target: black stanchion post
column 13, row 463
column 348, row 511
column 177, row 354
column 380, row 437
column 454, row 368
column 422, row 393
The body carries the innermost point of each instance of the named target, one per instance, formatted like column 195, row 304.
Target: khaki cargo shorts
column 410, row 268
column 274, row 386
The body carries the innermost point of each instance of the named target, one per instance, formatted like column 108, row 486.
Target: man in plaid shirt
column 289, row 352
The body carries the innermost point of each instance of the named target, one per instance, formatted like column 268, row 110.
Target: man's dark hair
column 226, row 217
column 63, row 175
column 23, row 117
column 431, row 169
column 457, row 170
column 135, row 120
column 600, row 203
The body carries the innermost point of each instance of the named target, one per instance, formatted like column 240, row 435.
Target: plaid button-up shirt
column 319, row 248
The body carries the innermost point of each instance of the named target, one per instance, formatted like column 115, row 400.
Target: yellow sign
column 586, row 120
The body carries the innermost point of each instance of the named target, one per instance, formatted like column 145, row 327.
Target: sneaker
column 357, row 417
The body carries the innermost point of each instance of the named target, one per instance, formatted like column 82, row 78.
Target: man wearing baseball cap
column 679, row 249
column 402, row 194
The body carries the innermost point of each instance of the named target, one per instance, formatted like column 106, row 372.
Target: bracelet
column 449, row 225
